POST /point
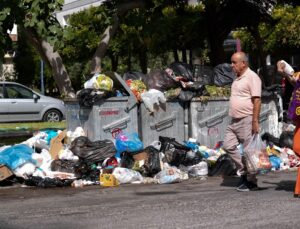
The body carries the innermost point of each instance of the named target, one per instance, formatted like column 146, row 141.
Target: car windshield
column 16, row 91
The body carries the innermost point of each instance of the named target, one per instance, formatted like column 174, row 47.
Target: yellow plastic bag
column 104, row 83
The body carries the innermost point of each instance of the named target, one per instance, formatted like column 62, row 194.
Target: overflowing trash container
column 106, row 115
column 208, row 119
column 167, row 120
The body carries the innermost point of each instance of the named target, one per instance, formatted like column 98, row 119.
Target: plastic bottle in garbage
column 288, row 68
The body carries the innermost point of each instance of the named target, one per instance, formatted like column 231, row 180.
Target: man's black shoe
column 252, row 186
column 243, row 188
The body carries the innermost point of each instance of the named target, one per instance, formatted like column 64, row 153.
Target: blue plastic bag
column 15, row 156
column 128, row 142
column 275, row 161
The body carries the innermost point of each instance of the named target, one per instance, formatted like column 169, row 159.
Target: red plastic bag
column 257, row 158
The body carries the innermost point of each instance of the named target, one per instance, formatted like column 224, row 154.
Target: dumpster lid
column 119, row 82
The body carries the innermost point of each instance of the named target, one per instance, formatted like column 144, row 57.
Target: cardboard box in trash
column 4, row 172
column 108, row 180
column 56, row 144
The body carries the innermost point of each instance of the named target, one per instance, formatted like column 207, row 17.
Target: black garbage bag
column 186, row 95
column 152, row 164
column 78, row 168
column 177, row 154
column 286, row 139
column 160, row 80
column 223, row 75
column 47, row 182
column 223, row 166
column 193, row 90
column 182, row 69
column 87, row 97
column 203, row 74
column 127, row 160
column 270, row 139
column 92, row 152
column 134, row 76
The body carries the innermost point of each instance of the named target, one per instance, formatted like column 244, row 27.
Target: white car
column 20, row 103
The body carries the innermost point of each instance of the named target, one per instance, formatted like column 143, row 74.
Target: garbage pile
column 65, row 158
column 178, row 81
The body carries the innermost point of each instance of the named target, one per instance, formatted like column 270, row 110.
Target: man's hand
column 255, row 127
column 256, row 114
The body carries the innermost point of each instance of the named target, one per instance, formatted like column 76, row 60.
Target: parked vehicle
column 20, row 103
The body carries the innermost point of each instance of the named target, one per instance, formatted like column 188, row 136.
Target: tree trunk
column 129, row 64
column 102, row 47
column 110, row 32
column 143, row 60
column 184, row 58
column 114, row 62
column 175, row 54
column 262, row 56
column 217, row 54
column 55, row 62
column 191, row 57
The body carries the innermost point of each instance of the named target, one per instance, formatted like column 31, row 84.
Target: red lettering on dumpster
column 109, row 112
column 213, row 131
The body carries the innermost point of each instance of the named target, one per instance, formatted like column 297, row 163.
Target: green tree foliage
column 279, row 38
column 282, row 33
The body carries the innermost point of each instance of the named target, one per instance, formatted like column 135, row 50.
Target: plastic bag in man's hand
column 256, row 155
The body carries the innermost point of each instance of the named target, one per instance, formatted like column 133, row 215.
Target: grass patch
column 33, row 125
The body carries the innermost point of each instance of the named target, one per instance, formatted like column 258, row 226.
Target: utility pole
column 42, row 78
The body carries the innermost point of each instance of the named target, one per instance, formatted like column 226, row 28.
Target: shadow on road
column 155, row 193
column 284, row 185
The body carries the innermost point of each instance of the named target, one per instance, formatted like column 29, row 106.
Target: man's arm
column 256, row 112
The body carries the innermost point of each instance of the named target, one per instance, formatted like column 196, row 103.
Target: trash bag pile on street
column 66, row 158
column 69, row 158
column 178, row 81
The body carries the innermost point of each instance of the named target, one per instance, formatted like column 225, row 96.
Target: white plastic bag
column 92, row 82
column 124, row 176
column 153, row 97
column 256, row 155
column 168, row 175
column 200, row 169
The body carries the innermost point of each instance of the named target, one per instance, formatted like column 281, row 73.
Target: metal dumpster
column 168, row 120
column 208, row 120
column 75, row 115
column 269, row 117
column 105, row 116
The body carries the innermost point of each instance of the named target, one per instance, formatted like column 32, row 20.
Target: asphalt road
column 211, row 203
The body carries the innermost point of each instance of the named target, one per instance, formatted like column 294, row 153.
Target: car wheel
column 52, row 116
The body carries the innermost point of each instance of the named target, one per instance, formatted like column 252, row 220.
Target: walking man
column 244, row 109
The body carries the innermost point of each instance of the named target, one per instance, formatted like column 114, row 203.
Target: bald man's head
column 239, row 63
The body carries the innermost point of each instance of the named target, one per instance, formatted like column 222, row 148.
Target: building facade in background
column 73, row 6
